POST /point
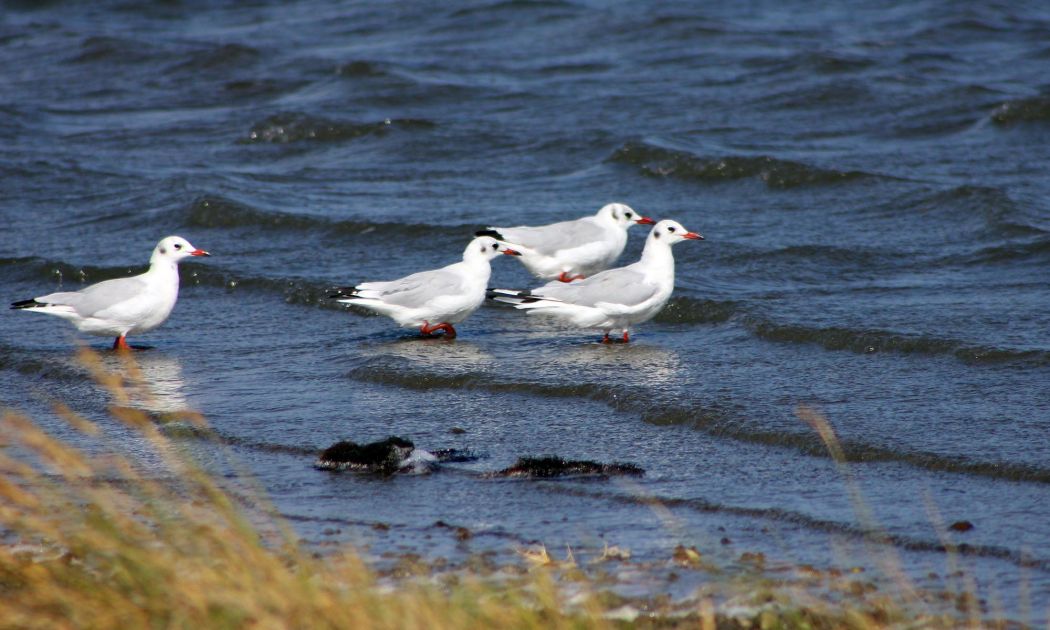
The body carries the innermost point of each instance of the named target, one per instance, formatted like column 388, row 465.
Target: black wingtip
column 511, row 293
column 343, row 292
column 26, row 304
column 493, row 233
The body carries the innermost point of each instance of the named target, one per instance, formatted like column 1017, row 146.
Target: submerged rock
column 385, row 457
column 392, row 455
column 552, row 466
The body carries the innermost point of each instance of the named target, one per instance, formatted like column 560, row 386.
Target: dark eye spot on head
column 178, row 245
column 627, row 214
column 495, row 246
column 656, row 235
column 163, row 251
column 670, row 229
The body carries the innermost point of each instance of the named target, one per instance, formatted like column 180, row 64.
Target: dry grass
column 91, row 542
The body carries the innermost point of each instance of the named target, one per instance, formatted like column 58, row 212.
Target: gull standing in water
column 615, row 298
column 570, row 250
column 443, row 296
column 117, row 308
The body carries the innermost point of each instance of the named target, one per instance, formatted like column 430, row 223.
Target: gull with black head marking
column 432, row 300
column 571, row 250
column 122, row 306
column 616, row 298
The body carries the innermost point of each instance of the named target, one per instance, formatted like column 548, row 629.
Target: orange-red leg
column 606, row 339
column 427, row 330
column 121, row 344
column 626, row 337
column 565, row 277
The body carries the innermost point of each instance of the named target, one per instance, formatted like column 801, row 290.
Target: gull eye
column 627, row 214
column 178, row 245
column 670, row 229
column 495, row 246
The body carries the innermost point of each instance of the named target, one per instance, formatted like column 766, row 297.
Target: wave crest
column 871, row 341
column 296, row 127
column 1023, row 110
column 654, row 161
column 711, row 418
column 684, row 310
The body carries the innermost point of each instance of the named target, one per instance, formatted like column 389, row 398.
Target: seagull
column 616, row 298
column 116, row 308
column 571, row 250
column 444, row 296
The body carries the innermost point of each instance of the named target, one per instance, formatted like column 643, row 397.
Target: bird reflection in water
column 148, row 381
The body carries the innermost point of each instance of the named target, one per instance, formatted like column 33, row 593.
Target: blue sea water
column 871, row 179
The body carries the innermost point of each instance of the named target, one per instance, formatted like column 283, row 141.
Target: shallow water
column 871, row 182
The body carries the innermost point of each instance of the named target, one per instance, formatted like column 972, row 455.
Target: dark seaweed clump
column 552, row 466
column 384, row 457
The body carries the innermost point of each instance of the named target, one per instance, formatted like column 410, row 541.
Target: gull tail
column 343, row 293
column 30, row 303
column 520, row 299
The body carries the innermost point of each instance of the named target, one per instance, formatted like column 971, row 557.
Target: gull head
column 174, row 249
column 671, row 232
column 623, row 215
column 487, row 248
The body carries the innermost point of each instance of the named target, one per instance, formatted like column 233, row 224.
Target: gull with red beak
column 615, row 298
column 570, row 250
column 432, row 300
column 123, row 306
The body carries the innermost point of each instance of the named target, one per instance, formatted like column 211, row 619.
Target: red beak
column 199, row 252
column 511, row 252
column 693, row 236
column 644, row 221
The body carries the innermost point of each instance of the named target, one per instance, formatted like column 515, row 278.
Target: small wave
column 684, row 310
column 57, row 368
column 721, row 425
column 361, row 68
column 817, row 255
column 293, row 290
column 1019, row 558
column 17, row 260
column 712, row 419
column 512, row 5
column 215, row 211
column 111, row 49
column 1000, row 212
column 219, row 57
column 871, row 341
column 295, row 127
column 654, row 161
column 58, row 272
column 1037, row 250
column 1025, row 110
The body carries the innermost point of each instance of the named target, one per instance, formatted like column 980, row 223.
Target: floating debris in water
column 961, row 526
column 552, row 466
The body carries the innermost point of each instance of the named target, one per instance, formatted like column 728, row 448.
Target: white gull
column 123, row 306
column 570, row 250
column 443, row 296
column 615, row 298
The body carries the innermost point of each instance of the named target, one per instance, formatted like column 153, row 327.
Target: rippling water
column 871, row 180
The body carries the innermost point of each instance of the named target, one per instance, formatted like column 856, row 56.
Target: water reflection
column 435, row 353
column 636, row 365
column 152, row 381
